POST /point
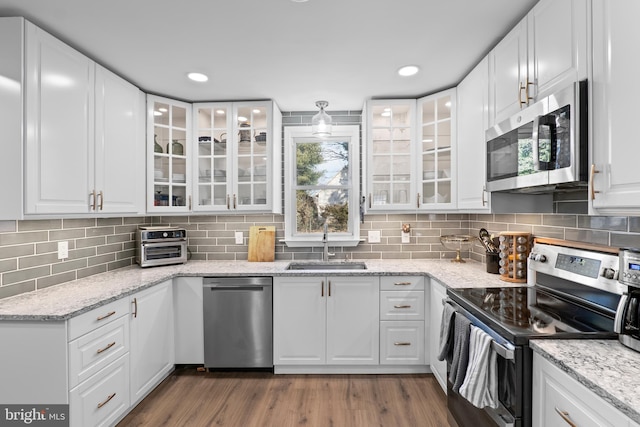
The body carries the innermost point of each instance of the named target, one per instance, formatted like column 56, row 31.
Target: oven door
column 163, row 253
column 514, row 386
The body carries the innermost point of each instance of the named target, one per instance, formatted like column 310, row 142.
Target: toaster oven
column 161, row 245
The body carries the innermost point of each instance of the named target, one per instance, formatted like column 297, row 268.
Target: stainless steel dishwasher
column 238, row 322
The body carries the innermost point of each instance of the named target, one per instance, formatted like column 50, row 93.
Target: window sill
column 305, row 243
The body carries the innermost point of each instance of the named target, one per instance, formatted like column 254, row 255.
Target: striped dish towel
column 480, row 386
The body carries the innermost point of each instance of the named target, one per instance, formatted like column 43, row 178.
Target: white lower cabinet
column 560, row 400
column 326, row 320
column 438, row 368
column 402, row 320
column 102, row 400
column 152, row 351
column 189, row 323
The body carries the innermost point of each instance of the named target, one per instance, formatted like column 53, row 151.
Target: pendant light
column 321, row 122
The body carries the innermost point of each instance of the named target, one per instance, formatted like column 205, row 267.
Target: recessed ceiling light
column 408, row 70
column 157, row 113
column 386, row 113
column 162, row 110
column 256, row 111
column 242, row 119
column 221, row 112
column 299, row 1
column 198, row 77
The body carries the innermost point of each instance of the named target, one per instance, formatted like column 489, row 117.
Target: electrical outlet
column 63, row 250
column 374, row 236
column 406, row 237
column 239, row 237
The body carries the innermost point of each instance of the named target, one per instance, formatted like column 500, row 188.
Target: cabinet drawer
column 95, row 350
column 401, row 305
column 102, row 399
column 402, row 343
column 402, row 283
column 97, row 317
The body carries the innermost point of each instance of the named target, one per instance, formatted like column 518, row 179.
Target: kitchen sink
column 327, row 266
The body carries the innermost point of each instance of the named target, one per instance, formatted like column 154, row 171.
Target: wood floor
column 260, row 399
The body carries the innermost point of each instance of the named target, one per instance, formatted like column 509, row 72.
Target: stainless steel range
column 572, row 292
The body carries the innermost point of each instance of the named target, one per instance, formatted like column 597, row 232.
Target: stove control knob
column 609, row 273
column 165, row 234
column 540, row 258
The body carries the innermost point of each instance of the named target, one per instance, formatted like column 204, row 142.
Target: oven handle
column 501, row 350
column 501, row 416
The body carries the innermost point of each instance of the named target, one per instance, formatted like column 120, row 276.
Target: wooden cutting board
column 262, row 243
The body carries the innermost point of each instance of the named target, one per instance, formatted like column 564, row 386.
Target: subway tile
column 91, row 241
column 24, row 275
column 560, row 220
column 199, row 256
column 100, row 231
column 126, row 254
column 45, row 282
column 101, row 259
column 8, row 265
column 625, row 240
column 588, row 236
column 69, row 265
column 8, row 226
column 79, row 223
column 552, row 232
column 506, row 218
column 118, row 238
column 37, row 260
column 67, row 234
column 124, row 229
column 528, row 219
column 17, row 288
column 395, row 255
column 120, row 264
column 612, row 223
column 90, row 271
column 82, row 252
column 115, row 247
column 35, row 225
column 102, row 222
column 26, row 237
column 16, row 251
column 136, row 220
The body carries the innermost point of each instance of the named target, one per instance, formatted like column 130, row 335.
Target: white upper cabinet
column 473, row 116
column 168, row 155
column 615, row 181
column 437, row 151
column 237, row 159
column 78, row 119
column 545, row 52
column 391, row 168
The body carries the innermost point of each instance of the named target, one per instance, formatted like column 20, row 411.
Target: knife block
column 514, row 252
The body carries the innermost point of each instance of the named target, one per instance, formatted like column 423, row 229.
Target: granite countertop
column 70, row 299
column 606, row 367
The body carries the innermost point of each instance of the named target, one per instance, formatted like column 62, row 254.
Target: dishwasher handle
column 234, row 288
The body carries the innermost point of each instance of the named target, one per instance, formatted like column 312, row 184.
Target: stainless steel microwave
column 541, row 147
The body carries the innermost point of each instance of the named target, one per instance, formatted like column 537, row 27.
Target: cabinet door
column 168, row 155
column 299, row 320
column 119, row 145
column 353, row 320
column 617, row 183
column 557, row 45
column 472, row 111
column 437, row 151
column 59, row 126
column 507, row 74
column 189, row 322
column 390, row 166
column 439, row 368
column 151, row 329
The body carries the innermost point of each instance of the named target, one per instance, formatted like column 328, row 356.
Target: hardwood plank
column 258, row 399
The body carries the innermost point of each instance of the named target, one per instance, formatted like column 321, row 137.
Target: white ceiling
column 344, row 51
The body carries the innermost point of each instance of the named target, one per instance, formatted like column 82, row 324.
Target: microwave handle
column 541, row 165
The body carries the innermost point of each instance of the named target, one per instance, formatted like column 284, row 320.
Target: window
column 322, row 185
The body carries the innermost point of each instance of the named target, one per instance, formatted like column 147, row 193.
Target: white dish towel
column 480, row 386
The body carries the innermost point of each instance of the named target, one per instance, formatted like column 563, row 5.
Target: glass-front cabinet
column 168, row 142
column 235, row 156
column 390, row 162
column 436, row 145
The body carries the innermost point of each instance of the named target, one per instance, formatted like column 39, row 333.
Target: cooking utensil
column 487, row 241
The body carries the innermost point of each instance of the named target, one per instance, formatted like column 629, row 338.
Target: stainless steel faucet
column 325, row 241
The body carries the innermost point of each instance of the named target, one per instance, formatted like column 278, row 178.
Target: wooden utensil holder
column 514, row 252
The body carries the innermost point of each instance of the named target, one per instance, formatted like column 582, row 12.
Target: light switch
column 374, row 236
column 239, row 237
column 63, row 250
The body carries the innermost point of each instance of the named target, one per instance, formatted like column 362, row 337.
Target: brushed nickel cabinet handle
column 135, row 307
column 235, row 205
column 591, row 183
column 565, row 417
column 401, row 306
column 228, row 199
column 418, row 201
column 101, row 197
column 369, row 200
column 329, row 287
column 109, row 314
column 92, row 200
column 484, row 202
column 402, row 284
column 401, row 343
column 322, row 289
column 101, row 350
column 189, row 202
column 101, row 404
